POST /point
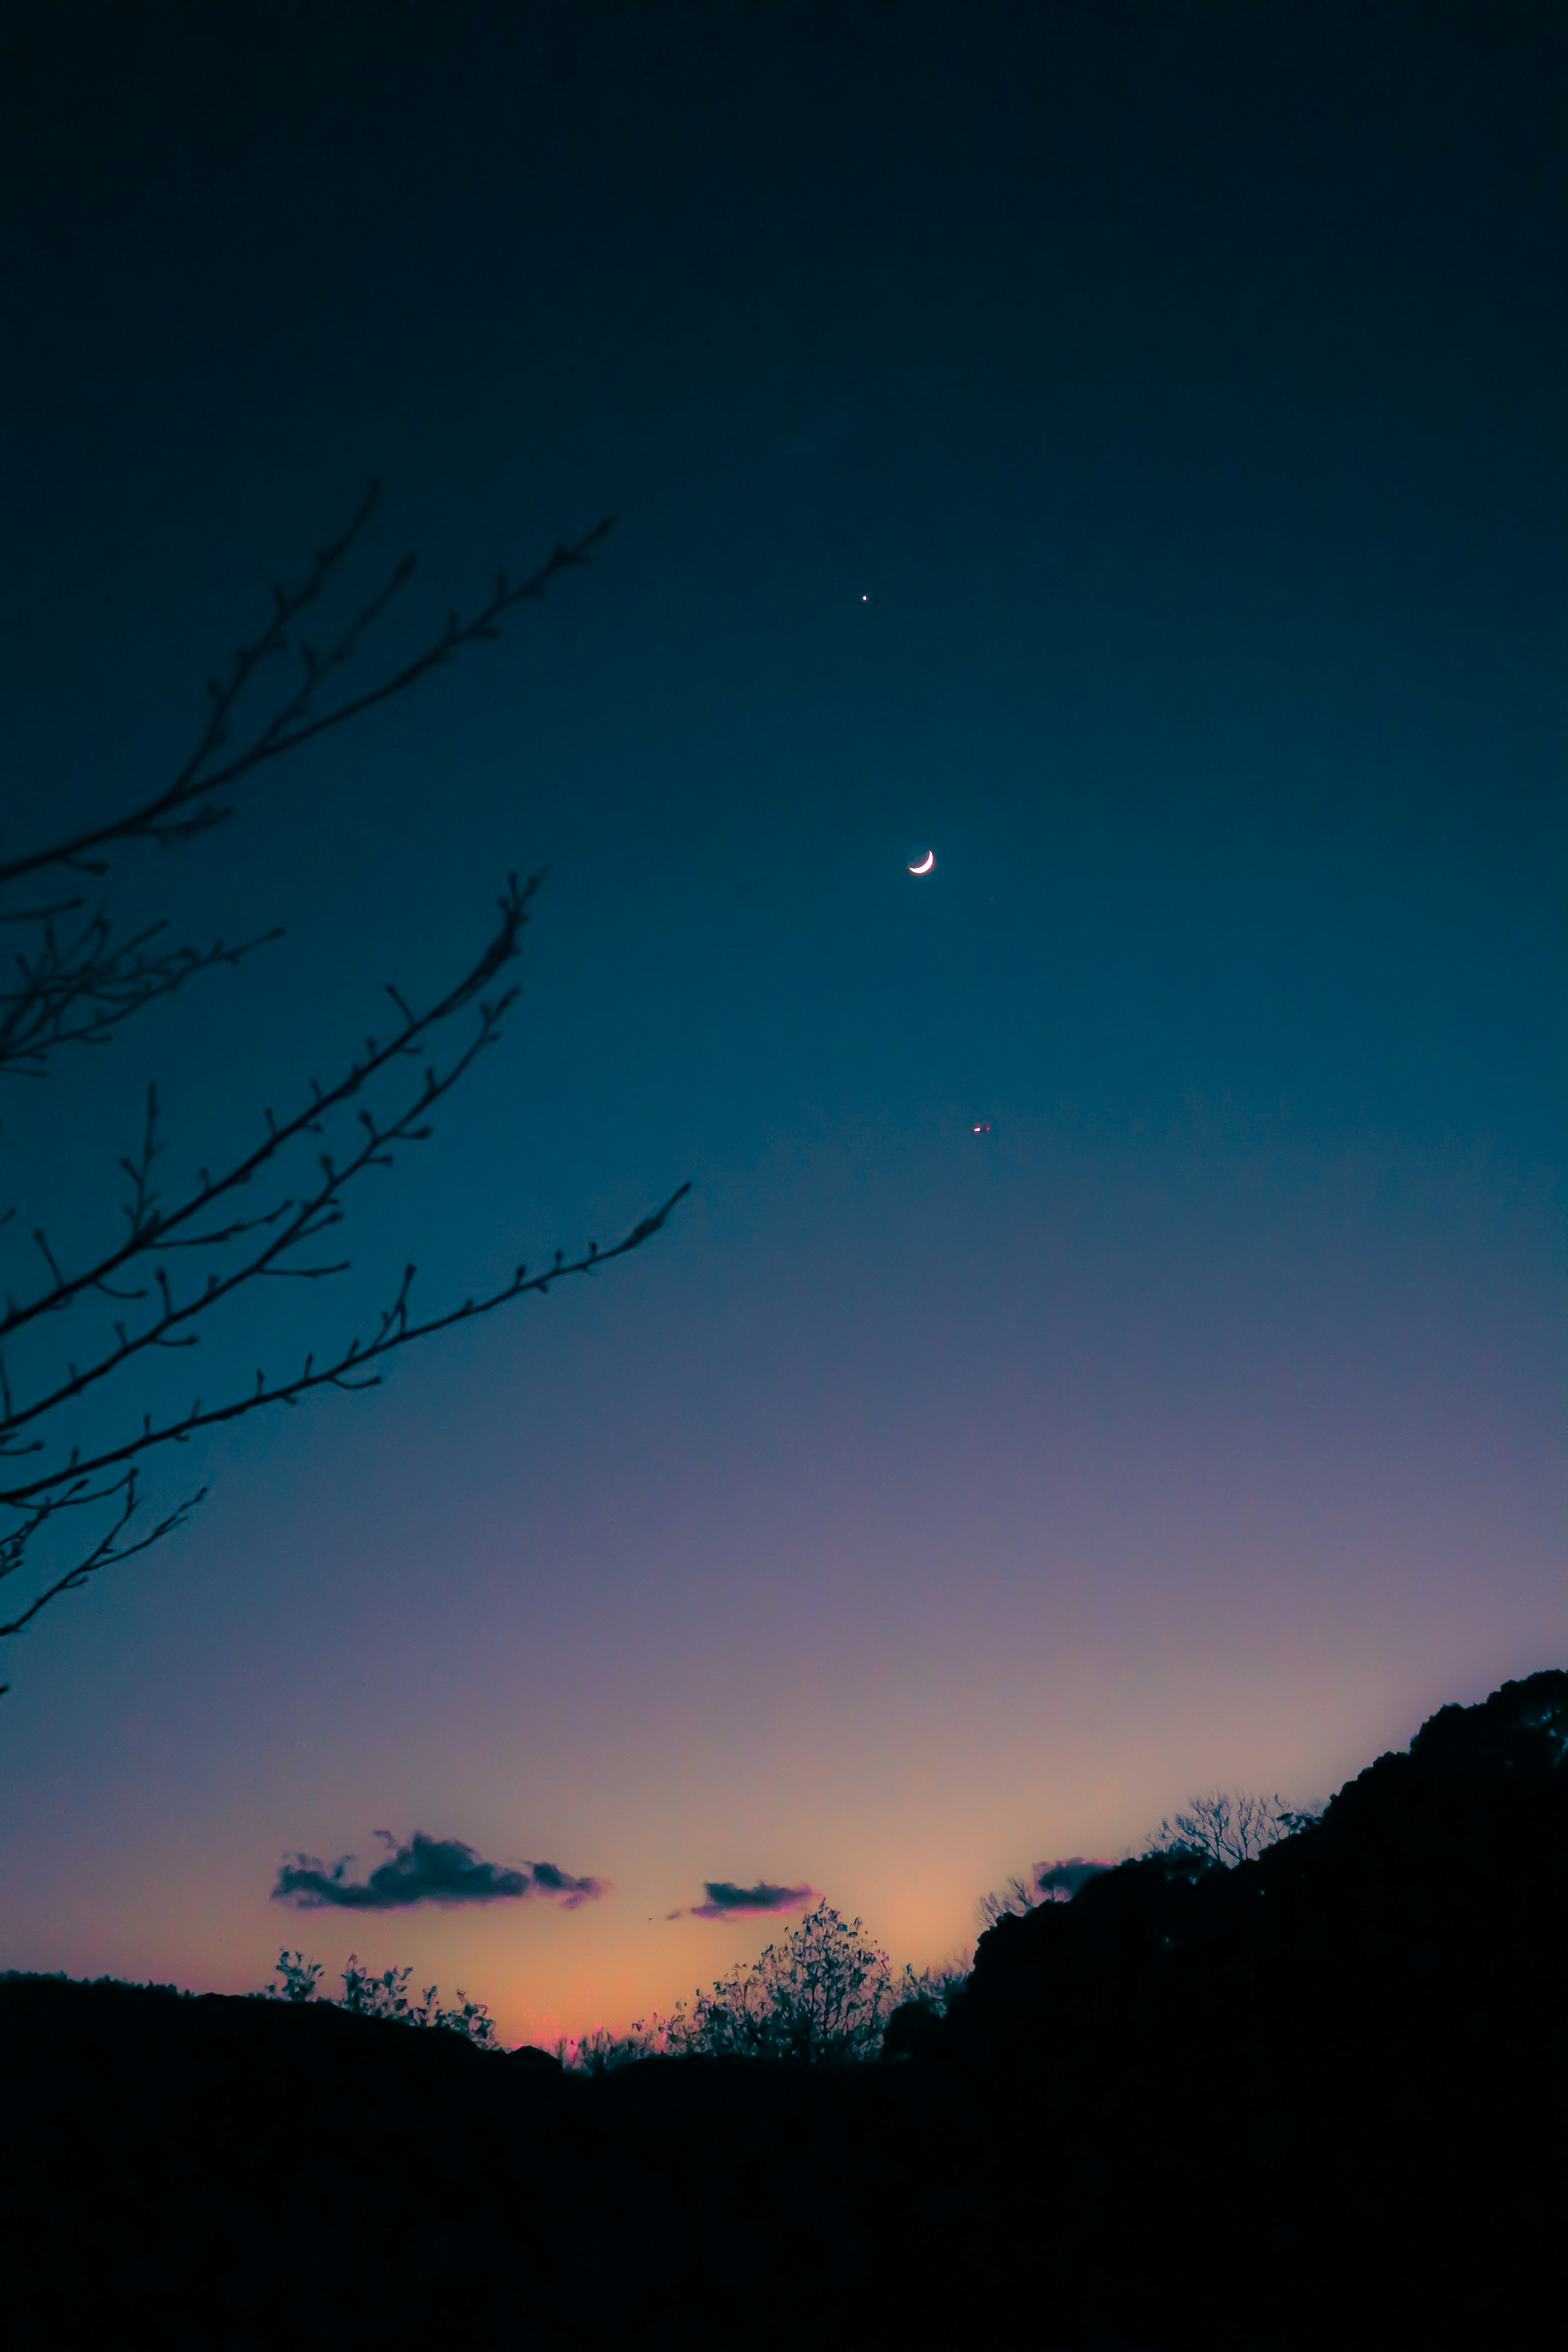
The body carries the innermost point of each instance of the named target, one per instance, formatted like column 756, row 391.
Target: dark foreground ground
column 1320, row 2101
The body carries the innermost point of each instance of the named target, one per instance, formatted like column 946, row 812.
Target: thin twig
column 499, row 950
column 293, row 724
column 395, row 1332
column 105, row 1553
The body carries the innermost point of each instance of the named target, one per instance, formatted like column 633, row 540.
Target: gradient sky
column 1112, row 444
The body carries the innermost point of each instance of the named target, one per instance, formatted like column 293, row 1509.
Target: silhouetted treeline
column 1314, row 2100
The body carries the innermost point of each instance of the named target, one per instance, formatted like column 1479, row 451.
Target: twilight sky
column 1111, row 445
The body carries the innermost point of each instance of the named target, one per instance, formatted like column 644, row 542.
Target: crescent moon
column 927, row 862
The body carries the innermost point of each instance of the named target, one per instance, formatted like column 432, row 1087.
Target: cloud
column 1060, row 1881
column 727, row 1901
column 427, row 1870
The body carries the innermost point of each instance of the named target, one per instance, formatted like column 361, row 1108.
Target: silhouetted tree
column 78, row 1343
column 1231, row 1826
column 822, row 1995
column 1008, row 1902
column 1048, row 1881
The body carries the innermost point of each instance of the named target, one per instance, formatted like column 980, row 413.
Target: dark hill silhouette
column 1315, row 2100
column 1329, row 2084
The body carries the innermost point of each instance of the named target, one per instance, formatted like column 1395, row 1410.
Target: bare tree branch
column 76, row 982
column 1230, row 1826
column 152, row 1230
column 105, row 1553
column 76, row 990
column 174, row 814
column 395, row 1330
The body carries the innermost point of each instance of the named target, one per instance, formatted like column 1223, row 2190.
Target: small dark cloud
column 727, row 1901
column 1060, row 1881
column 427, row 1870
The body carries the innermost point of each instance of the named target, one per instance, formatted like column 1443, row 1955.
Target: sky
column 1111, row 1347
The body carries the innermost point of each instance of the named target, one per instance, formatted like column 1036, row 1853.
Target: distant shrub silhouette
column 385, row 1996
column 601, row 2051
column 301, row 1977
column 926, row 1998
column 933, row 1990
